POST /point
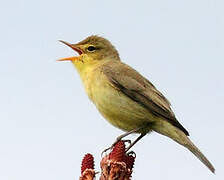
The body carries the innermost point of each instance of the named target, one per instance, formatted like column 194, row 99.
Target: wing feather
column 139, row 89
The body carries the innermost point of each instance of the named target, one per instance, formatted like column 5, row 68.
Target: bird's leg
column 132, row 144
column 125, row 134
column 121, row 137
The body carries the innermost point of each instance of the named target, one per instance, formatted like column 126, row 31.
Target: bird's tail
column 165, row 128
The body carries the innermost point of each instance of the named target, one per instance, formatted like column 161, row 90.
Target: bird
column 124, row 97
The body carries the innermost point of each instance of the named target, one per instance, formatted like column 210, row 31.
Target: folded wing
column 139, row 89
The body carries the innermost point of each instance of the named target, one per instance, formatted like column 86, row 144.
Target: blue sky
column 47, row 122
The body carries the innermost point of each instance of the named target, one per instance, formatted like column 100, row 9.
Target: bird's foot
column 134, row 142
column 119, row 138
column 131, row 153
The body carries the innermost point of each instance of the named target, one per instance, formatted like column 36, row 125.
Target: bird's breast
column 116, row 107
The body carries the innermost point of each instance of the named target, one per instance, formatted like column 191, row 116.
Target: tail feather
column 199, row 155
column 177, row 135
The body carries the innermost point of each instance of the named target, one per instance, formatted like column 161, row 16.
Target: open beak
column 79, row 51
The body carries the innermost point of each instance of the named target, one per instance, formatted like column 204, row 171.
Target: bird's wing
column 139, row 89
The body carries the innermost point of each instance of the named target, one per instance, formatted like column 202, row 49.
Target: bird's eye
column 91, row 48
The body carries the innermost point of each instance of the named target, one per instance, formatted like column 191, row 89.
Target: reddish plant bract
column 118, row 152
column 87, row 162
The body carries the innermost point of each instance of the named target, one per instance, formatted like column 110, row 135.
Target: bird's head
column 92, row 50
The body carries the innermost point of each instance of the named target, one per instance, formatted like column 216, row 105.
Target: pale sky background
column 47, row 123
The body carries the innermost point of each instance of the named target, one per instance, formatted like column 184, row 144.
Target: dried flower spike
column 117, row 164
column 129, row 161
column 87, row 162
column 118, row 152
